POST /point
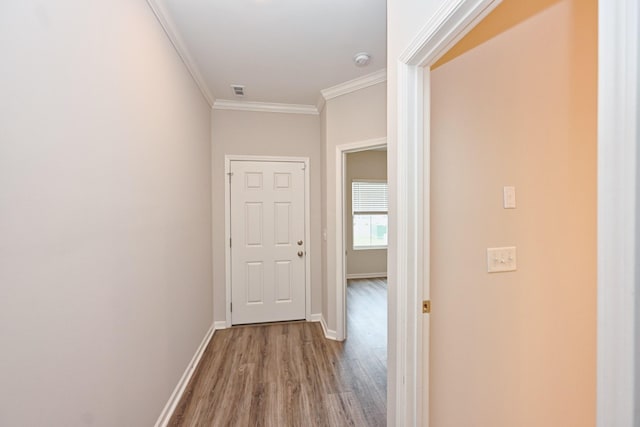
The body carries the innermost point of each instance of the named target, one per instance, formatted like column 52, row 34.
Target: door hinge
column 230, row 175
column 229, row 241
column 426, row 306
column 231, row 306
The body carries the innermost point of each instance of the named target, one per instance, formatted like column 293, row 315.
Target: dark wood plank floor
column 288, row 374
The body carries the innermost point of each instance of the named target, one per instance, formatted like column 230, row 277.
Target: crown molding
column 439, row 34
column 174, row 36
column 266, row 107
column 355, row 84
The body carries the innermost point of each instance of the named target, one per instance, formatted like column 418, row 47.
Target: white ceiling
column 283, row 51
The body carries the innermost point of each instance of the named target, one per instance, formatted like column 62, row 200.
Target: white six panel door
column 267, row 241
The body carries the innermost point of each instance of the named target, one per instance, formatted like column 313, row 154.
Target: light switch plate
column 501, row 259
column 509, row 197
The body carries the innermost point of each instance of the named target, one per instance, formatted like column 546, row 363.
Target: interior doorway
column 363, row 226
column 344, row 223
column 366, row 237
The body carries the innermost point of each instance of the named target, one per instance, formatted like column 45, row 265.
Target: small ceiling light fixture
column 361, row 59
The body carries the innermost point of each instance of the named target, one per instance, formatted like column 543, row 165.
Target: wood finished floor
column 288, row 374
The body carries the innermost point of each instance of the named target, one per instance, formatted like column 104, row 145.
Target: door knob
column 299, row 242
column 300, row 253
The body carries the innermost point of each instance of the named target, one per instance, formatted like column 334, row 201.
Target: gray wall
column 105, row 214
column 354, row 117
column 271, row 134
column 370, row 164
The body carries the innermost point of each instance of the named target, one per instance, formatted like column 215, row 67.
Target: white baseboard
column 317, row 317
column 366, row 275
column 220, row 324
column 328, row 333
column 171, row 405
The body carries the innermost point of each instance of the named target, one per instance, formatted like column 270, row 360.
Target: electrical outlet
column 501, row 259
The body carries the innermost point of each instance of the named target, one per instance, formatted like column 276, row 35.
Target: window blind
column 369, row 197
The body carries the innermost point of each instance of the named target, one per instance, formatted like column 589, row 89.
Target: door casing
column 227, row 225
column 408, row 343
column 618, row 366
column 341, row 274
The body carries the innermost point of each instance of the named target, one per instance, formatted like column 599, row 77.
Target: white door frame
column 341, row 274
column 227, row 224
column 618, row 375
column 411, row 219
column 618, row 366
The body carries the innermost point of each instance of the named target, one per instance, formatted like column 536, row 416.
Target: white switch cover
column 509, row 196
column 501, row 259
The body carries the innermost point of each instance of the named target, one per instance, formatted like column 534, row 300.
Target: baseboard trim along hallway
column 171, row 405
column 328, row 333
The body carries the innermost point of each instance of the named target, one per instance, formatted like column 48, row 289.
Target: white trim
column 341, row 284
column 411, row 216
column 320, row 103
column 307, row 235
column 370, row 248
column 316, row 317
column 367, row 179
column 227, row 237
column 449, row 24
column 220, row 324
column 367, row 275
column 328, row 333
column 174, row 399
column 374, row 78
column 618, row 238
column 174, row 36
column 266, row 107
column 227, row 224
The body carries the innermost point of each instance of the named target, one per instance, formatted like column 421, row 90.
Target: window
column 369, row 211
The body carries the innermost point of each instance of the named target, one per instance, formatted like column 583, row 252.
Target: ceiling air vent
column 238, row 90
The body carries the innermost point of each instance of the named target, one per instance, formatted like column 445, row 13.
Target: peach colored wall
column 518, row 348
column 507, row 15
column 370, row 164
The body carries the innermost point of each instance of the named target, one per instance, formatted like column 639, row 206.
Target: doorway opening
column 366, row 230
column 365, row 221
column 361, row 267
column 368, row 220
column 409, row 250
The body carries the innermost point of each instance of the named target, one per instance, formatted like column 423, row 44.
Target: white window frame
column 353, row 214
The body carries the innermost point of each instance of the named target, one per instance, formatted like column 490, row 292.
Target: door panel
column 253, row 220
column 282, row 223
column 267, row 223
column 283, row 281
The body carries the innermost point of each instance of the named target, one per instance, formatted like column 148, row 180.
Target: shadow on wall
column 506, row 16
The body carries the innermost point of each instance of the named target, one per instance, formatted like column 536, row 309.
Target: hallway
column 288, row 374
